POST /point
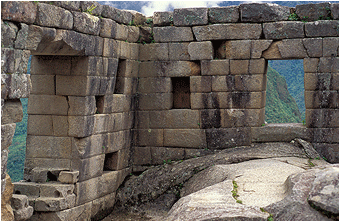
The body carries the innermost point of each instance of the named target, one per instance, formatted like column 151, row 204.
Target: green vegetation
column 293, row 17
column 89, row 10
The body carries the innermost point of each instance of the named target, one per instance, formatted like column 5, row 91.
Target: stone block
column 279, row 132
column 227, row 31
column 145, row 34
column 7, row 135
column 251, row 83
column 88, row 146
column 110, row 67
column 329, row 151
column 335, row 10
column 102, row 206
column 47, row 125
column 224, row 14
column 179, row 51
column 86, row 23
column 128, row 68
column 273, row 51
column 263, row 12
column 81, row 105
column 310, row 65
column 72, row 6
column 11, row 112
column 43, row 84
column 321, row 99
column 47, row 104
column 324, row 135
column 120, row 16
column 90, row 167
column 35, row 35
column 133, row 34
column 162, row 18
column 292, row 49
column 53, row 16
column 134, row 51
column 25, row 12
column 321, row 81
column 80, row 126
column 193, row 138
column 109, row 182
column 258, row 46
column 173, row 34
column 126, row 86
column 242, row 117
column 154, row 85
column 8, row 34
column 40, row 164
column 68, row 177
column 201, row 50
column 115, row 103
column 161, row 155
column 190, row 16
column 15, row 86
column 238, row 49
column 103, row 123
column 239, row 100
column 125, row 50
column 200, row 84
column 257, row 66
column 328, row 64
column 21, row 209
column 111, row 48
column 138, row 19
column 141, row 156
column 156, row 51
column 30, row 189
column 148, row 137
column 322, row 28
column 48, row 147
column 313, row 12
column 56, row 190
column 108, row 28
column 174, row 119
column 313, row 46
column 118, row 160
column 322, row 118
column 78, row 85
column 155, row 101
column 169, row 69
column 51, row 65
column 203, row 101
column 283, row 30
column 330, row 47
column 215, row 67
column 14, row 61
column 122, row 32
column 96, row 7
column 21, row 39
column 210, row 118
column 54, row 204
column 228, row 137
column 117, row 141
column 238, row 67
column 87, row 66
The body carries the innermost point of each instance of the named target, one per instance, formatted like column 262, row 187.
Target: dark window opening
column 51, row 177
column 181, row 92
column 219, row 49
column 111, row 161
column 285, row 101
column 119, row 86
column 99, row 104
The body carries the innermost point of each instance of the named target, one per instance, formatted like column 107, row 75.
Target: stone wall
column 111, row 91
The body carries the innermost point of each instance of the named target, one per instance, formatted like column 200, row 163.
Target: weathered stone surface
column 313, row 46
column 242, row 117
column 227, row 31
column 101, row 207
column 279, row 132
column 194, row 138
column 263, row 12
column 324, row 135
column 252, row 83
column 238, row 49
column 91, row 167
column 227, row 137
column 179, row 51
column 54, row 204
column 53, row 16
column 273, row 51
column 86, row 23
column 81, row 105
column 15, row 86
column 133, row 34
column 173, row 34
column 224, row 14
column 68, row 177
column 313, row 12
column 169, row 69
column 8, row 34
column 111, row 48
column 328, row 65
column 47, row 104
column 174, row 119
column 145, row 34
column 150, row 137
column 162, row 18
column 239, row 67
column 310, row 65
column 215, row 67
column 200, row 84
column 108, row 28
column 70, row 5
column 214, row 202
column 14, row 61
column 323, row 28
column 283, row 30
column 190, row 16
column 161, row 155
column 328, row 151
column 156, row 51
column 335, row 10
column 330, row 47
column 154, row 85
column 19, row 11
column 292, row 49
column 321, row 99
column 11, row 112
column 21, row 38
column 6, row 196
column 21, row 209
column 120, row 16
column 81, row 85
column 141, row 155
column 80, row 126
column 322, row 118
column 96, row 7
column 201, row 50
column 321, row 81
column 48, row 147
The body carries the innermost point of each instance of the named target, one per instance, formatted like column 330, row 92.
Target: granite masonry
column 112, row 91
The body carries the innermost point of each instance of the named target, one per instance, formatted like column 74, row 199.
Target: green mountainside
column 280, row 107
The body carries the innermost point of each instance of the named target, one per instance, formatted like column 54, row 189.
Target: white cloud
column 169, row 5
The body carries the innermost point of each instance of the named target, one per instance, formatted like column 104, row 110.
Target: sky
column 148, row 7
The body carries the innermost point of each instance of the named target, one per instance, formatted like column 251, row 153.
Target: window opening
column 181, row 92
column 111, row 161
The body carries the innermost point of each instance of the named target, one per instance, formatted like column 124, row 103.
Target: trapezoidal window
column 285, row 101
column 181, row 92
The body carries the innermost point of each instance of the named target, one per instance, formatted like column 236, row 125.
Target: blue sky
column 148, row 7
